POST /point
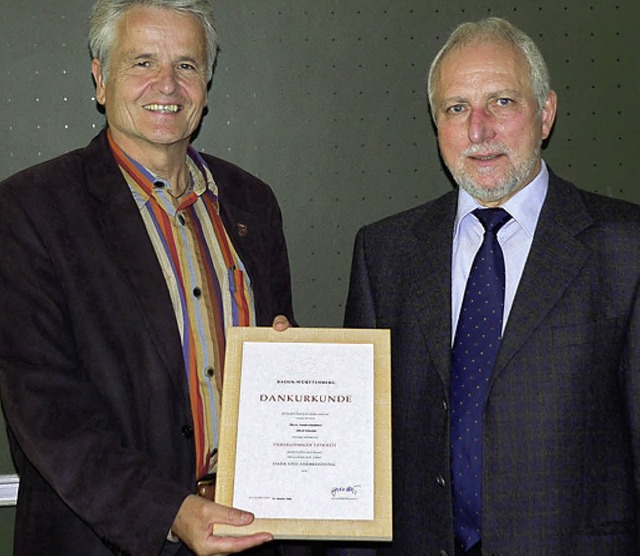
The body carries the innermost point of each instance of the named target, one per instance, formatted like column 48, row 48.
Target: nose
column 480, row 125
column 167, row 80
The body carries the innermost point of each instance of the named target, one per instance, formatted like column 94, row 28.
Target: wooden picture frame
column 347, row 344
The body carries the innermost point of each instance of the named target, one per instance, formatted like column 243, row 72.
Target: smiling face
column 157, row 85
column 490, row 130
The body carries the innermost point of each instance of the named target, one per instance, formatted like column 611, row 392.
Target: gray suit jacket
column 561, row 445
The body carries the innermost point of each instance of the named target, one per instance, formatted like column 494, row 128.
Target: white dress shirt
column 515, row 239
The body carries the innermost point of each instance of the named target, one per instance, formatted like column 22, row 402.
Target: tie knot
column 492, row 218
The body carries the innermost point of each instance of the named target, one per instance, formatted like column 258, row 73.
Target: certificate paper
column 317, row 460
column 305, row 432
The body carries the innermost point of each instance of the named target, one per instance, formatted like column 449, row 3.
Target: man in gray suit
column 545, row 460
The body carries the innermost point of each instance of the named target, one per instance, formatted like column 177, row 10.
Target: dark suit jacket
column 561, row 445
column 91, row 370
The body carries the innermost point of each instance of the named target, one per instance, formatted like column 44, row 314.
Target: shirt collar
column 524, row 207
column 201, row 176
column 142, row 184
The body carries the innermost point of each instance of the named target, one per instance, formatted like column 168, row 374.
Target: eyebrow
column 132, row 55
column 505, row 93
column 190, row 59
column 459, row 99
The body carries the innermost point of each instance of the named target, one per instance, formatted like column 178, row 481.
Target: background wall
column 325, row 100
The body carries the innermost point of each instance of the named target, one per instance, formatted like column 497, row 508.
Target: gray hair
column 494, row 30
column 106, row 14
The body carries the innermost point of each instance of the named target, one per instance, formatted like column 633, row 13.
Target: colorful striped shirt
column 209, row 287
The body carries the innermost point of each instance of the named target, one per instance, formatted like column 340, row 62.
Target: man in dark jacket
column 122, row 265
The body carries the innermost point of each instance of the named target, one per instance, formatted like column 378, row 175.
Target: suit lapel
column 554, row 261
column 131, row 249
column 429, row 280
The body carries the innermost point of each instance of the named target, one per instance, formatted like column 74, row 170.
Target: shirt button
column 197, row 292
column 187, row 431
column 210, row 372
column 181, row 219
column 441, row 480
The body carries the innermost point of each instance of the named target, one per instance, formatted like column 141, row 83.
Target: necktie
column 475, row 348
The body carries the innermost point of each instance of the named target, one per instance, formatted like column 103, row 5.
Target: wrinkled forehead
column 150, row 19
column 479, row 57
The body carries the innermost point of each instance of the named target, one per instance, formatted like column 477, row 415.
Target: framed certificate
column 305, row 433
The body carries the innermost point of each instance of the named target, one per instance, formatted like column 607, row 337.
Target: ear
column 96, row 70
column 549, row 113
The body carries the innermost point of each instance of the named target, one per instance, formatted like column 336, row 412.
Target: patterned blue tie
column 475, row 348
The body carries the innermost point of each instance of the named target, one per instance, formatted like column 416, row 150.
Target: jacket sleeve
column 360, row 308
column 56, row 412
column 279, row 265
column 630, row 373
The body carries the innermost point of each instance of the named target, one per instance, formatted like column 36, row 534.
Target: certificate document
column 305, row 432
column 316, row 461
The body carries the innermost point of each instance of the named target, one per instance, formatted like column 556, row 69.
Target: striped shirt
column 209, row 287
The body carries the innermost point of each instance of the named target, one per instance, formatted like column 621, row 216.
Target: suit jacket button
column 187, row 431
column 441, row 480
column 443, row 553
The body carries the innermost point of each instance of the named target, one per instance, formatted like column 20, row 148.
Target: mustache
column 484, row 148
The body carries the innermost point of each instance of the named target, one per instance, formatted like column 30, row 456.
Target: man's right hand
column 193, row 525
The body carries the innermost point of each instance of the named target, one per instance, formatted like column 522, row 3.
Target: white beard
column 514, row 180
